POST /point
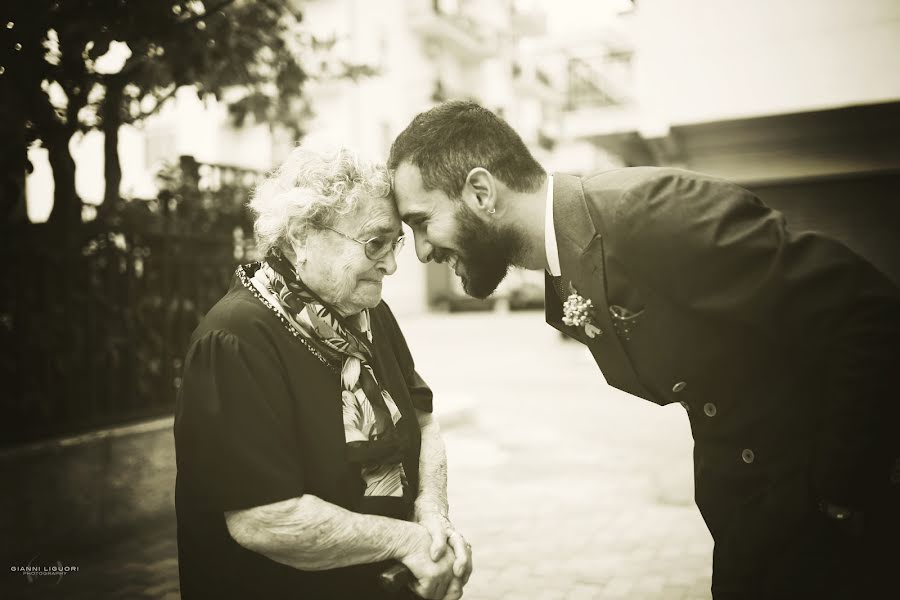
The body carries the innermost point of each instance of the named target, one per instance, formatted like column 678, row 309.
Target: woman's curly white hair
column 312, row 189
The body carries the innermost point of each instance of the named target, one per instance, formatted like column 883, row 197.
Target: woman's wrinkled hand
column 444, row 535
column 434, row 577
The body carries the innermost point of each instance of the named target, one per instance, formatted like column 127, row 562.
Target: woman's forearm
column 311, row 534
column 432, row 468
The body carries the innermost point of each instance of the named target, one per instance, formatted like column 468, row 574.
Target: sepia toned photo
column 493, row 299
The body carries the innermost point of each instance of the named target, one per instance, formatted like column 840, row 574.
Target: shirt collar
column 550, row 233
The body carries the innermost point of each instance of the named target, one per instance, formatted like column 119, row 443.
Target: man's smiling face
column 447, row 230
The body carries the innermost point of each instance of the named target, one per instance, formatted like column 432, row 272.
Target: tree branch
column 208, row 12
column 143, row 115
column 139, row 60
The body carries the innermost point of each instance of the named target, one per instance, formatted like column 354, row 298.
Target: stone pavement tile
column 585, row 591
column 160, row 589
column 167, row 565
column 549, row 595
column 681, row 577
column 644, row 554
column 620, row 588
column 649, row 583
column 698, row 591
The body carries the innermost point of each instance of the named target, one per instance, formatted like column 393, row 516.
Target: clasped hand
column 441, row 559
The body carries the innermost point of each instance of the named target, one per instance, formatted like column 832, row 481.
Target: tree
column 242, row 47
column 56, row 80
column 32, row 73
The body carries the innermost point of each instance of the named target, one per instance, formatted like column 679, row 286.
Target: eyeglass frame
column 394, row 246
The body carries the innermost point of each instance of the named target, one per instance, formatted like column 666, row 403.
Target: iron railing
column 603, row 81
column 94, row 323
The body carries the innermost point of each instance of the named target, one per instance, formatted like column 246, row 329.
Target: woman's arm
column 432, row 468
column 311, row 534
column 431, row 507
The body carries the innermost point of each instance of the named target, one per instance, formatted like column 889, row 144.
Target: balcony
column 451, row 28
column 600, row 82
column 599, row 97
column 529, row 23
column 533, row 81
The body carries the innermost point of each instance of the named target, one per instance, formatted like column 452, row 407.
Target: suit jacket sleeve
column 712, row 247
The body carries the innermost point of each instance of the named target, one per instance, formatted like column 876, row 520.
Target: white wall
column 703, row 60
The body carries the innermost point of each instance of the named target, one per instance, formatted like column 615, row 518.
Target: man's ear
column 480, row 192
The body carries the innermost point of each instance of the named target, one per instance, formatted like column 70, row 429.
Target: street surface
column 566, row 488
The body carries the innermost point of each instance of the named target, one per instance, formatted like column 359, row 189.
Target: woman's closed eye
column 379, row 246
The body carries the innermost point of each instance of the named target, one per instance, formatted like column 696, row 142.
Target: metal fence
column 94, row 327
column 94, row 333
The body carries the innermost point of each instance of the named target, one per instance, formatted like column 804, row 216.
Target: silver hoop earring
column 492, row 211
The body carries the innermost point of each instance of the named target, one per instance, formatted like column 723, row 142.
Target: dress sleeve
column 419, row 392
column 233, row 426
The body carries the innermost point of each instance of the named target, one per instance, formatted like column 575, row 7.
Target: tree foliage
column 56, row 78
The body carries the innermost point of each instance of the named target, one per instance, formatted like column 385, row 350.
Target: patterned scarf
column 375, row 441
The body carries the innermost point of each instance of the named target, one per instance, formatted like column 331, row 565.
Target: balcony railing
column 447, row 24
column 604, row 81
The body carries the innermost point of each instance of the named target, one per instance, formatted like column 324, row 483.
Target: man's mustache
column 440, row 255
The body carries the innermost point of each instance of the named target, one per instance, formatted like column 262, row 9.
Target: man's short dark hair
column 451, row 139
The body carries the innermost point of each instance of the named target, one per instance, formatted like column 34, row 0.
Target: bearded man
column 781, row 346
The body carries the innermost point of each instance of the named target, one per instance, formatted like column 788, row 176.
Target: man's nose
column 424, row 250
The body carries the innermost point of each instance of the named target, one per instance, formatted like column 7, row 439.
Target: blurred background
column 133, row 133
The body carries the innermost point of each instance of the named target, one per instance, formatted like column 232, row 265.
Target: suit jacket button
column 748, row 456
column 709, row 409
column 679, row 386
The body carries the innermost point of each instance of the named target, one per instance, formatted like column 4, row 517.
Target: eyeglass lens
column 377, row 248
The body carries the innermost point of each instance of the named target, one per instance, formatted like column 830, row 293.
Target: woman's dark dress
column 259, row 420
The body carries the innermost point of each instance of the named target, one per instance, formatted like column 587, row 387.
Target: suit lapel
column 581, row 260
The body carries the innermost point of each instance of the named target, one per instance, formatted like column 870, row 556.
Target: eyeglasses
column 377, row 247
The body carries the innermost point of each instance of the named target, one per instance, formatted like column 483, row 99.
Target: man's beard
column 485, row 252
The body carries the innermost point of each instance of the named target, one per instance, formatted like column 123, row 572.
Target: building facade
column 798, row 101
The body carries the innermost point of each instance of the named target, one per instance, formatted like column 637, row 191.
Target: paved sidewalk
column 144, row 566
column 566, row 488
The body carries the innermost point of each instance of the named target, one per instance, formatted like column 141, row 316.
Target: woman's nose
column 388, row 264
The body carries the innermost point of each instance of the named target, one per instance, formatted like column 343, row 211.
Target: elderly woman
column 304, row 436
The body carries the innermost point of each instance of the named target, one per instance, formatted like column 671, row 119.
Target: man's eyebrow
column 412, row 215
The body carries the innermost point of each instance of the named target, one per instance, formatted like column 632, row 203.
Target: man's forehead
column 408, row 173
column 413, row 201
column 407, row 182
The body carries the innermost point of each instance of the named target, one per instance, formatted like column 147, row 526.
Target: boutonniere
column 578, row 311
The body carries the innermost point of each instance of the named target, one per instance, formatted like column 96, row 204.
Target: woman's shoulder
column 241, row 314
column 386, row 330
column 383, row 319
column 238, row 312
column 243, row 318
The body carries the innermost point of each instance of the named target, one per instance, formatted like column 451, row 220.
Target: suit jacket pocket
column 763, row 527
column 621, row 313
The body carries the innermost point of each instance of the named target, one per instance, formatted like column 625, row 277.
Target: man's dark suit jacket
column 783, row 348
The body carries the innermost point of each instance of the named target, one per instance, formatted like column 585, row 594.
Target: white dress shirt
column 550, row 233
